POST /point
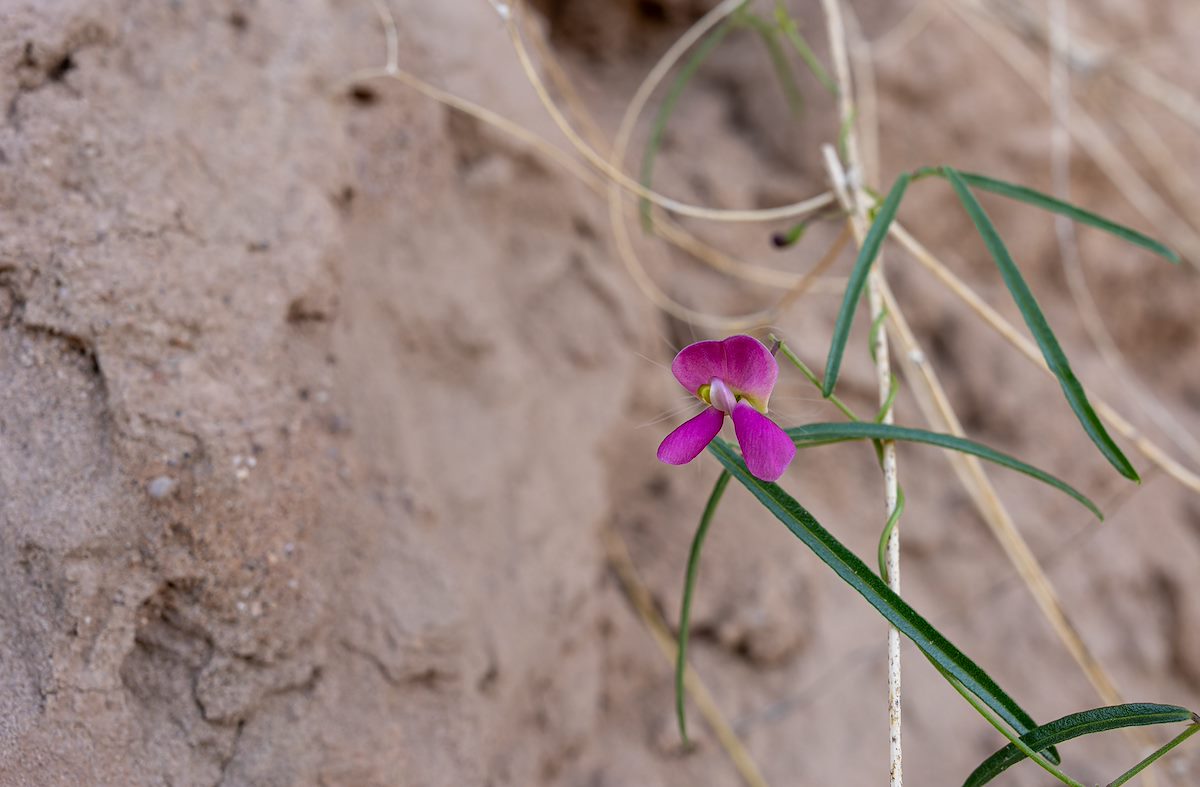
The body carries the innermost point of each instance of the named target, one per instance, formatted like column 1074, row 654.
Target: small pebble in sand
column 160, row 487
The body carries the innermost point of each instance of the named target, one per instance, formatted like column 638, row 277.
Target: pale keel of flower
column 734, row 377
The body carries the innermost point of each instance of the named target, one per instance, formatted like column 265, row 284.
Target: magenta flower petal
column 743, row 362
column 767, row 448
column 698, row 363
column 750, row 369
column 689, row 439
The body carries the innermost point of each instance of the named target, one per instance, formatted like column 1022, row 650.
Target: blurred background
column 328, row 412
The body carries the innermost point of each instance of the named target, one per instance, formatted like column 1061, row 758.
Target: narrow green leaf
column 1051, row 351
column 825, row 433
column 701, row 53
column 685, row 609
column 1075, row 725
column 858, row 281
column 1046, row 202
column 860, row 577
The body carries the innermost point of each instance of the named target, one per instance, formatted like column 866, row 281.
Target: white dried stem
column 848, row 186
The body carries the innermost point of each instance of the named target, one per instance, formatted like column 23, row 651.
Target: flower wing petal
column 767, row 448
column 690, row 438
column 750, row 369
column 698, row 363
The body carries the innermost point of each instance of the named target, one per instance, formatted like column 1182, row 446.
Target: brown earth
column 316, row 402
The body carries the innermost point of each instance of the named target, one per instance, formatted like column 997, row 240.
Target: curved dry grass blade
column 858, row 281
column 1051, row 351
column 859, row 576
column 826, row 433
column 1075, row 725
column 701, row 53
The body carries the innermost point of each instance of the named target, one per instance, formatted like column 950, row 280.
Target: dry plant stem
column 971, row 474
column 848, row 187
column 1089, row 57
column 664, row 226
column 935, row 406
column 1169, row 95
column 643, row 603
column 905, row 31
column 1089, row 312
column 616, row 175
column 797, row 284
column 572, row 166
column 1086, row 131
column 1027, row 348
column 1060, row 165
column 616, row 208
column 1154, row 150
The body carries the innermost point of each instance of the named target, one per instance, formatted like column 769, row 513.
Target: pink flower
column 733, row 377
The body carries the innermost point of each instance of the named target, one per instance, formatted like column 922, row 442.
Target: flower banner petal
column 750, row 369
column 766, row 448
column 690, row 438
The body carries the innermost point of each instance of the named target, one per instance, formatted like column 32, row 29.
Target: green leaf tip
column 858, row 281
column 1075, row 725
column 1052, row 352
column 1046, row 202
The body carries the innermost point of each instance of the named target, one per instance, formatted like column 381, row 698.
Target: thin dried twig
column 1085, row 130
column 855, row 201
column 617, row 176
column 643, row 604
column 616, row 210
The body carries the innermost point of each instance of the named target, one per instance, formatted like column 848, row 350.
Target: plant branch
column 848, row 186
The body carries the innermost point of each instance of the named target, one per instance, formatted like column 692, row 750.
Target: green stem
column 689, row 584
column 1191, row 730
column 1004, row 730
column 893, row 389
column 887, row 534
column 812, row 377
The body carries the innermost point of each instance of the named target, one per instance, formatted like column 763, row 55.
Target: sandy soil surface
column 317, row 402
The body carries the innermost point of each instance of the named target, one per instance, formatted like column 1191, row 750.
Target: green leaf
column 825, row 433
column 1051, row 351
column 1046, row 202
column 1075, row 725
column 685, row 609
column 858, row 281
column 860, row 577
